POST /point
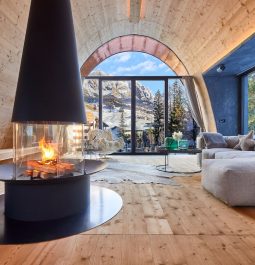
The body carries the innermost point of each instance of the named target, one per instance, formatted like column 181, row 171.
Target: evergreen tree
column 158, row 112
column 179, row 111
column 122, row 124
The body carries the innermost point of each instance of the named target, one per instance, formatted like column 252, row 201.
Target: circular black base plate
column 104, row 204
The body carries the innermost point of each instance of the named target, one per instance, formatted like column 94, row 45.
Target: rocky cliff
column 117, row 90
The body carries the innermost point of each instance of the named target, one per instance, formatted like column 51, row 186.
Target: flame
column 49, row 152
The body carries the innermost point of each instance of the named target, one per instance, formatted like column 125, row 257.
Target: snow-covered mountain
column 117, row 99
column 116, row 89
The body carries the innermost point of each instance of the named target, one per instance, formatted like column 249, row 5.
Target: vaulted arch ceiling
column 199, row 32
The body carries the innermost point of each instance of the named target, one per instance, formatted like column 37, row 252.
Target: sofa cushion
column 214, row 140
column 234, row 154
column 230, row 180
column 247, row 144
column 210, row 153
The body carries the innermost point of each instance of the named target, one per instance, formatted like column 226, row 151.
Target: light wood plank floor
column 158, row 225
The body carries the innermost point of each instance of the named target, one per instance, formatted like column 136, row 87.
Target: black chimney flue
column 49, row 84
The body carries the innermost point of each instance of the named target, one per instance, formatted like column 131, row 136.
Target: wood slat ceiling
column 199, row 32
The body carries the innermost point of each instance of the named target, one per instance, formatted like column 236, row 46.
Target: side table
column 167, row 168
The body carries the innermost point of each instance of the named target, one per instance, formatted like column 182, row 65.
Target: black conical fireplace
column 49, row 195
column 49, row 173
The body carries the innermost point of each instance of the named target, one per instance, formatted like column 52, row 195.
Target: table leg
column 164, row 167
column 167, row 168
column 165, row 161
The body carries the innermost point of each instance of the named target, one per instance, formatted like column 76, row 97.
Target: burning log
column 35, row 165
column 44, row 175
column 45, row 171
column 29, row 173
column 48, row 166
column 36, row 173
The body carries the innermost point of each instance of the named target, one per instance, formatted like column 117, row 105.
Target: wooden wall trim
column 135, row 43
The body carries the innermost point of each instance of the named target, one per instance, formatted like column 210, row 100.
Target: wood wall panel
column 13, row 20
column 200, row 32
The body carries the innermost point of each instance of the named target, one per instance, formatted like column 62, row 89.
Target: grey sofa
column 229, row 174
column 221, row 152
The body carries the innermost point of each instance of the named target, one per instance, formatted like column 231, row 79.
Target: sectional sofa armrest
column 200, row 142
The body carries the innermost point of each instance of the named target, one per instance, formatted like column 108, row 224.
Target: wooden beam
column 135, row 10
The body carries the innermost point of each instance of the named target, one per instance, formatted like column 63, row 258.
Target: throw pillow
column 247, row 144
column 243, row 138
column 214, row 140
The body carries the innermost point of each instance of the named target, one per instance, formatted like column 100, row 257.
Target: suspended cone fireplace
column 48, row 110
column 49, row 195
column 49, row 178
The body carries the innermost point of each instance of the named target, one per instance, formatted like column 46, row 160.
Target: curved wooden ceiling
column 134, row 43
column 199, row 32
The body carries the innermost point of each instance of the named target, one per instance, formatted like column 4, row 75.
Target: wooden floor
column 158, row 225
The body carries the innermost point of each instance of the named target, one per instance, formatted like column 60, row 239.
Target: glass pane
column 179, row 114
column 251, row 101
column 149, row 115
column 91, row 100
column 117, row 112
column 45, row 151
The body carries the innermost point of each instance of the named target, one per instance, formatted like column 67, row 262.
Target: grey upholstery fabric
column 234, row 154
column 231, row 141
column 210, row 153
column 200, row 142
column 214, row 140
column 247, row 144
column 231, row 182
column 229, row 174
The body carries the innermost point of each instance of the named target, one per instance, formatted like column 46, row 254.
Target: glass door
column 179, row 113
column 150, row 115
column 91, row 101
column 116, row 111
column 141, row 111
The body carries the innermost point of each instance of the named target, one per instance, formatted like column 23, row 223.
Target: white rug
column 134, row 171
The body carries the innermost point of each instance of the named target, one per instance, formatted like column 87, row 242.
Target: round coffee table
column 167, row 168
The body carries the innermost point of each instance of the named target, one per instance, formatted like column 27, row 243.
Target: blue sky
column 136, row 63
